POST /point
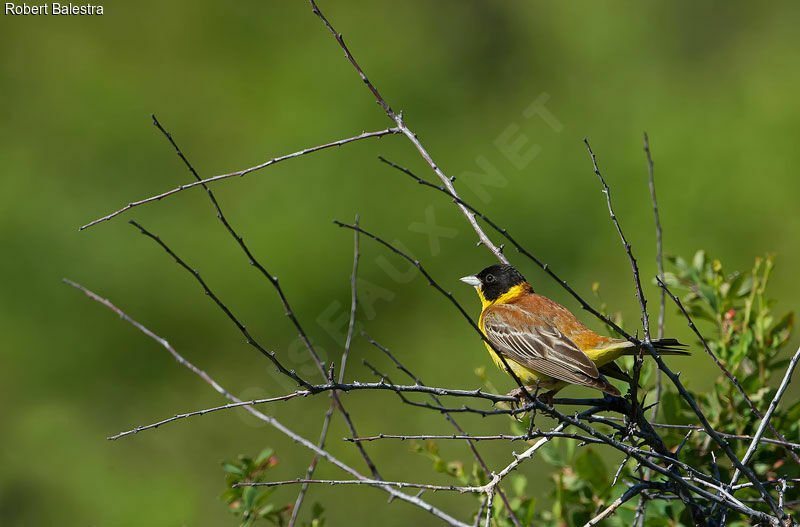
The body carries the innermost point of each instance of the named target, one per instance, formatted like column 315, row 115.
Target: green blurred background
column 715, row 85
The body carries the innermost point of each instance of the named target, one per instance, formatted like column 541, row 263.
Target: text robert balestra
column 52, row 9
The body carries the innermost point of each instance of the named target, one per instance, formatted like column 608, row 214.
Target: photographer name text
column 53, row 9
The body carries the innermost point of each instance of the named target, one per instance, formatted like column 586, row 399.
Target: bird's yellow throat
column 512, row 293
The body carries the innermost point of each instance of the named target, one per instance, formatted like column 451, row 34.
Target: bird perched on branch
column 544, row 344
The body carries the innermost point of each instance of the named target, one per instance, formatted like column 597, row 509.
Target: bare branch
column 242, row 329
column 326, row 421
column 634, row 267
column 659, row 241
column 370, row 482
column 343, row 365
column 353, row 304
column 203, row 412
column 608, row 511
column 401, row 125
column 765, row 420
column 158, row 197
column 536, row 434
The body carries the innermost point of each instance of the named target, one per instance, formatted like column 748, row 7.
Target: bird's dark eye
column 489, row 278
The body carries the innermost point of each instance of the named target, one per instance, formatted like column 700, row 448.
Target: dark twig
column 662, row 304
column 608, row 511
column 326, row 421
column 659, row 240
column 158, row 197
column 343, row 365
column 242, row 329
column 176, row 417
column 353, row 304
column 751, row 450
column 273, row 280
column 370, row 482
column 536, row 434
column 631, row 259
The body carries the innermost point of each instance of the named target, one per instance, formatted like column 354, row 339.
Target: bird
column 544, row 344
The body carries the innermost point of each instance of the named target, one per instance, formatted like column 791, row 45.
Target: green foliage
column 250, row 503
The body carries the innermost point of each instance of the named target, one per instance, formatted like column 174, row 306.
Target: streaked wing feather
column 538, row 347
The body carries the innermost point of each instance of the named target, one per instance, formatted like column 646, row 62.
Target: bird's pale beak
column 471, row 280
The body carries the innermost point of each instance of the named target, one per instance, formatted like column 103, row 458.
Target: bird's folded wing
column 544, row 349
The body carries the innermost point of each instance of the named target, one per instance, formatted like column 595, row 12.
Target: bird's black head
column 494, row 281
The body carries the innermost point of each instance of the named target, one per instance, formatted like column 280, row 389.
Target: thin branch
column 519, row 458
column 489, row 508
column 659, row 240
column 631, row 259
column 608, row 511
column 242, row 329
column 398, row 119
column 770, row 410
column 370, row 482
column 340, row 142
column 273, row 280
column 536, row 434
column 353, row 304
column 642, row 506
column 343, row 365
column 203, row 412
column 698, row 428
column 163, row 342
column 326, row 421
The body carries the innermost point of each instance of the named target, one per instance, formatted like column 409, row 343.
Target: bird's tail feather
column 664, row 347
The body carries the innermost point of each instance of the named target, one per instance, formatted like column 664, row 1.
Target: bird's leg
column 519, row 394
column 533, row 413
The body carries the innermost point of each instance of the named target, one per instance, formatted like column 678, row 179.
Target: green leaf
column 551, row 453
column 699, row 260
column 431, row 446
column 672, row 406
column 518, row 484
column 590, row 466
column 248, row 497
column 232, row 469
column 264, row 455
